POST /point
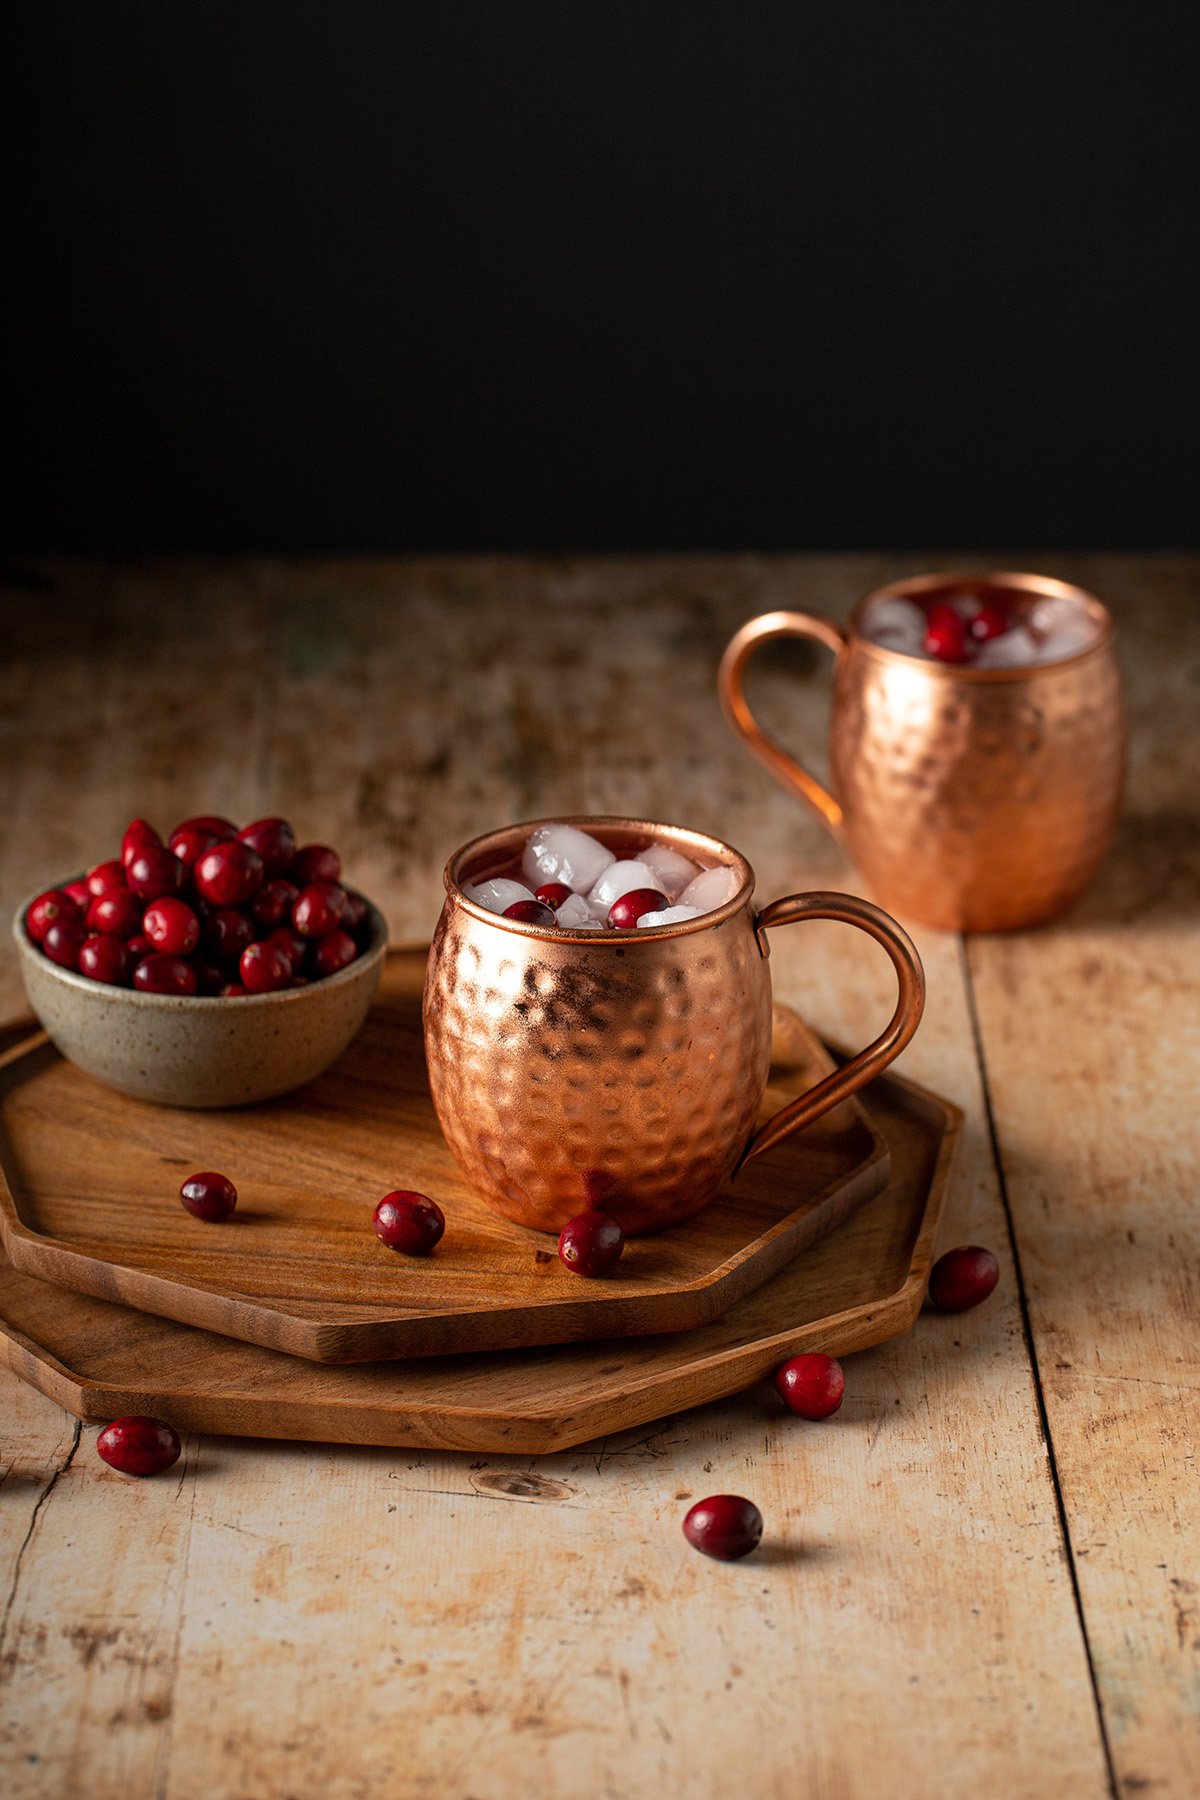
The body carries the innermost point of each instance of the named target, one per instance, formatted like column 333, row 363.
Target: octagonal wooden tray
column 90, row 1202
column 860, row 1286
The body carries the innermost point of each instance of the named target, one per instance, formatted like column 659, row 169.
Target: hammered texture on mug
column 569, row 1075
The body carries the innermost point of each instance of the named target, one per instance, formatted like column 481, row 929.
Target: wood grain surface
column 979, row 1577
column 90, row 1199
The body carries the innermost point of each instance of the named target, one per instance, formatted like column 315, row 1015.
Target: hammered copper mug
column 972, row 799
column 622, row 1070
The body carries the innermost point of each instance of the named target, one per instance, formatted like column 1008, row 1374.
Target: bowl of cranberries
column 214, row 967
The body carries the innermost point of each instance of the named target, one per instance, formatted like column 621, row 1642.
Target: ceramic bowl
column 184, row 1050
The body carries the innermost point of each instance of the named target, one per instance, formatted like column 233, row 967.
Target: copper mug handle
column 870, row 1062
column 732, row 692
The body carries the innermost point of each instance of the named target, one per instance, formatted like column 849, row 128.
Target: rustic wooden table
column 980, row 1578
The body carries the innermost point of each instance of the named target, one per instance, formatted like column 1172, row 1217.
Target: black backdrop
column 630, row 275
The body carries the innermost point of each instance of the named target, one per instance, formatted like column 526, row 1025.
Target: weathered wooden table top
column 981, row 1577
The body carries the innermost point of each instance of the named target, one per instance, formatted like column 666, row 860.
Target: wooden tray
column 860, row 1286
column 91, row 1203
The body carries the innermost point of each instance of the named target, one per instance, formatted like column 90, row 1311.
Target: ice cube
column 896, row 624
column 711, row 888
column 497, row 895
column 908, row 643
column 1063, row 626
column 1012, row 650
column 576, row 915
column 671, row 871
column 620, row 878
column 564, row 853
column 670, row 915
column 965, row 605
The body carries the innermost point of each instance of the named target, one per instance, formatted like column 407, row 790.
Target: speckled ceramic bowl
column 182, row 1050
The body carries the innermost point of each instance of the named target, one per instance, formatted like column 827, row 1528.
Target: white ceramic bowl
column 184, row 1050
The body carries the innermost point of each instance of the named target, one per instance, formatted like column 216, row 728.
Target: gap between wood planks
column 1034, row 1367
column 39, row 1504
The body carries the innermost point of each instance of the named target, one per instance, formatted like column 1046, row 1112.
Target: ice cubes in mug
column 564, row 853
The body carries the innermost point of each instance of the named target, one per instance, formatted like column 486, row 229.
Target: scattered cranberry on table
column 591, row 1243
column 963, row 1278
column 725, row 1526
column 139, row 1445
column 412, row 1223
column 530, row 912
column 624, row 913
column 812, row 1385
column 209, row 1196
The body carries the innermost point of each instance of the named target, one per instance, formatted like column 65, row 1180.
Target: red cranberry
column 811, row 1386
column 139, row 1445
column 105, row 958
column 275, row 842
column 209, row 1196
column 209, row 978
column 273, row 904
column 189, row 842
column 355, row 915
column 232, row 990
column 213, row 823
column 329, row 954
column 264, row 968
column 78, row 892
column 591, row 1244
column 171, row 925
column 161, row 974
column 48, row 909
column 139, row 946
column 118, row 912
column 316, row 862
column 409, row 1222
column 290, row 942
column 725, row 1526
column 946, row 634
column 227, row 932
column 229, row 874
column 64, row 940
column 319, row 909
column 989, row 622
column 106, row 878
column 530, row 912
column 963, row 1278
column 299, row 981
column 624, row 913
column 139, row 836
column 154, row 874
column 553, row 893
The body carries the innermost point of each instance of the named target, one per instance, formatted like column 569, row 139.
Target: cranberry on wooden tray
column 410, row 1222
column 591, row 1243
column 963, row 1278
column 139, row 1445
column 811, row 1386
column 209, row 1196
column 726, row 1526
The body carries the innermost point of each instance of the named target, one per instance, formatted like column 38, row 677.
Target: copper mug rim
column 679, row 837
column 979, row 581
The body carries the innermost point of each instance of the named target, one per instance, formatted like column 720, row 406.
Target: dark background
column 632, row 275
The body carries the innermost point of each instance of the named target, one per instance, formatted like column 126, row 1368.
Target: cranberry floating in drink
column 1001, row 632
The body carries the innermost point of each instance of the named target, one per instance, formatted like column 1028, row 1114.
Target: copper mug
column 622, row 1070
column 972, row 799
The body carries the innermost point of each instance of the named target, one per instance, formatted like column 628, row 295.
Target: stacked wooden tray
column 291, row 1320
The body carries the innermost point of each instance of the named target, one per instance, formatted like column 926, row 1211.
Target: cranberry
column 139, row 1445
column 213, row 823
column 530, row 912
column 963, row 1278
column 78, row 892
column 329, row 954
column 725, row 1526
column 355, row 915
column 591, row 1243
column 106, row 878
column 153, row 874
column 161, row 974
column 319, row 909
column 118, row 912
column 299, row 981
column 171, row 925
column 811, row 1386
column 232, row 990
column 227, row 932
column 624, row 913
column 272, row 905
column 105, row 958
column 209, row 1196
column 209, row 978
column 138, row 836
column 409, row 1222
column 275, row 842
column 946, row 634
column 316, row 862
column 230, row 873
column 189, row 842
column 48, row 909
column 553, row 893
column 989, row 622
column 139, row 946
column 64, row 940
column 264, row 968
column 290, row 942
